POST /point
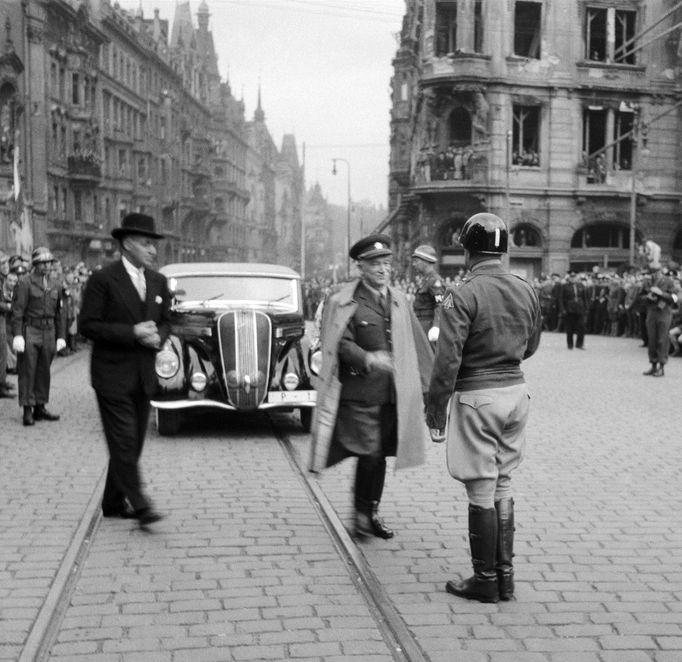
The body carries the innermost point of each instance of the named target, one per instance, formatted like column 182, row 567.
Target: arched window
column 526, row 236
column 7, row 99
column 460, row 127
column 602, row 235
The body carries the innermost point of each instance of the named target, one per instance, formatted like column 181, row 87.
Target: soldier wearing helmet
column 478, row 401
column 429, row 294
column 38, row 334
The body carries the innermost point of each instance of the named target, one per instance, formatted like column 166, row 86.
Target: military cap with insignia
column 375, row 245
column 426, row 253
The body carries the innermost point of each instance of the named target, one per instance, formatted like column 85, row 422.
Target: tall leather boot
column 505, row 547
column 482, row 585
column 652, row 369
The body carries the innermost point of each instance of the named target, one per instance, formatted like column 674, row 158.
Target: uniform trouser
column 658, row 323
column 574, row 323
column 370, row 471
column 3, row 350
column 33, row 366
column 124, row 418
column 486, row 440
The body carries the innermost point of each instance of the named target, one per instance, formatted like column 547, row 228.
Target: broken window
column 609, row 33
column 526, row 136
column 478, row 26
column 622, row 150
column 527, row 21
column 594, row 138
column 446, row 28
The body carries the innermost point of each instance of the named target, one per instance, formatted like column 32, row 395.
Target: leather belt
column 40, row 322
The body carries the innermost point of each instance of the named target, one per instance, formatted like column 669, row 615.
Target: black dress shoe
column 28, row 416
column 5, row 393
column 124, row 512
column 42, row 414
column 147, row 516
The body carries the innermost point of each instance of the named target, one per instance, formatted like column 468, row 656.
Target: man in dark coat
column 573, row 307
column 125, row 312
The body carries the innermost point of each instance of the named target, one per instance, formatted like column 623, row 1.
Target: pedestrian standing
column 38, row 334
column 429, row 293
column 661, row 298
column 489, row 324
column 573, row 305
column 375, row 370
column 5, row 310
column 125, row 312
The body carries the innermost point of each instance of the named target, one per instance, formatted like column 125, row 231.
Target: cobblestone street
column 243, row 568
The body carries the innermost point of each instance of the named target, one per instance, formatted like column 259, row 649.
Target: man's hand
column 61, row 344
column 18, row 344
column 437, row 435
column 433, row 334
column 380, row 360
column 153, row 341
column 144, row 329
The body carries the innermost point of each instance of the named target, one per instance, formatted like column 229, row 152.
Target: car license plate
column 291, row 396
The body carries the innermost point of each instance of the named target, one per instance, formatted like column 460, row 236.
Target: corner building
column 561, row 117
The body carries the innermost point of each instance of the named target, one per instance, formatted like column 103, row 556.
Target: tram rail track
column 399, row 641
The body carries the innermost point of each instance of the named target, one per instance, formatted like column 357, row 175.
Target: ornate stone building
column 561, row 117
column 104, row 112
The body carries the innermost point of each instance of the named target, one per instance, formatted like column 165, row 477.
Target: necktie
column 141, row 285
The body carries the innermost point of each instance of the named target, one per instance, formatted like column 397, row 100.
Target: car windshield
column 215, row 290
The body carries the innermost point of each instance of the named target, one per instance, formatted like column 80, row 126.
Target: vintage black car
column 237, row 343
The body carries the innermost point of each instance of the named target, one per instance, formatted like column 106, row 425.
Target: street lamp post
column 349, row 205
column 633, row 190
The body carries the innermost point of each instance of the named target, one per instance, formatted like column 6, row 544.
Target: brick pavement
column 242, row 569
column 47, row 475
column 599, row 544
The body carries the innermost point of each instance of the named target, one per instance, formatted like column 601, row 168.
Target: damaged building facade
column 104, row 111
column 561, row 117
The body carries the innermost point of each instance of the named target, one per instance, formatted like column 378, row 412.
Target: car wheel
column 306, row 414
column 167, row 422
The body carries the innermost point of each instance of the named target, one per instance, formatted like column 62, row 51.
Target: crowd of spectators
column 617, row 302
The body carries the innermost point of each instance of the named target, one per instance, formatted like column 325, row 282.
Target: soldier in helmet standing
column 429, row 293
column 478, row 400
column 38, row 334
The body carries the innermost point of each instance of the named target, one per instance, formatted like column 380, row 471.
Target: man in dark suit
column 125, row 312
column 573, row 306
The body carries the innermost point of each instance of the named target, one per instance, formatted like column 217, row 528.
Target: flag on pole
column 21, row 223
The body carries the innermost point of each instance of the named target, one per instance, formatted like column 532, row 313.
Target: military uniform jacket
column 489, row 324
column 37, row 305
column 427, row 300
column 573, row 298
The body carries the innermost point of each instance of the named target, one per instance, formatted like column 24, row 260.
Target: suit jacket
column 111, row 307
column 573, row 299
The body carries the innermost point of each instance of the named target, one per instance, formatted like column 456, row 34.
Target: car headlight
column 198, row 381
column 316, row 362
column 167, row 364
column 290, row 381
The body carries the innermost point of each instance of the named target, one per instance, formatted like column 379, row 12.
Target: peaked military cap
column 426, row 253
column 375, row 245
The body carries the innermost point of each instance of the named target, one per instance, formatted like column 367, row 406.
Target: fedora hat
column 136, row 223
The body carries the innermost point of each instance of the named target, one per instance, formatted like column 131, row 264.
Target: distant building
column 539, row 112
column 124, row 113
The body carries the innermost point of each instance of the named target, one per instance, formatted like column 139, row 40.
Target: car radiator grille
column 244, row 338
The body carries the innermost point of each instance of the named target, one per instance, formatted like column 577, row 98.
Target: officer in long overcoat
column 376, row 367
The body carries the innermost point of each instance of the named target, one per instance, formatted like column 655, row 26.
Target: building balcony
column 463, row 66
column 84, row 169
